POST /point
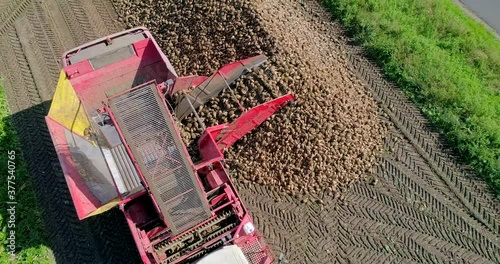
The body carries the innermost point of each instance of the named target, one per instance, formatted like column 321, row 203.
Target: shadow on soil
column 45, row 214
column 19, row 210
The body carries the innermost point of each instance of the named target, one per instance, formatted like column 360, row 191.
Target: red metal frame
column 250, row 120
column 212, row 143
column 184, row 83
column 85, row 202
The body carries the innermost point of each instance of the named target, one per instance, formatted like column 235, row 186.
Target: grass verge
column 447, row 62
column 29, row 234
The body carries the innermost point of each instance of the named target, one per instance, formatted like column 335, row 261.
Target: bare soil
column 414, row 203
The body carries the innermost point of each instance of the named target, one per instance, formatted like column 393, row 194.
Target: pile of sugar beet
column 328, row 138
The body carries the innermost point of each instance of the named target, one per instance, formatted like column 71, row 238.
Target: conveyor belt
column 150, row 132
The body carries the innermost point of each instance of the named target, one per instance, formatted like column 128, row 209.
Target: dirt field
column 416, row 205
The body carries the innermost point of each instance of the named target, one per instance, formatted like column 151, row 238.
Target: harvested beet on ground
column 332, row 134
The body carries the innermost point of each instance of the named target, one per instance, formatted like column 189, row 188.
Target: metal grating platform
column 254, row 252
column 126, row 168
column 150, row 132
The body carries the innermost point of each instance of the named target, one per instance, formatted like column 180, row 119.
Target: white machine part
column 248, row 228
column 114, row 170
column 228, row 255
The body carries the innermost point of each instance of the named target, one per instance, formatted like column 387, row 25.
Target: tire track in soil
column 297, row 230
column 363, row 255
column 108, row 15
column 413, row 126
column 402, row 238
column 288, row 239
column 373, row 211
column 38, row 52
column 87, row 13
column 435, row 206
column 49, row 10
column 76, row 20
column 374, row 239
column 323, row 232
column 47, row 37
column 406, row 181
column 415, row 179
column 379, row 237
column 51, row 188
column 440, row 166
column 406, row 154
column 13, row 10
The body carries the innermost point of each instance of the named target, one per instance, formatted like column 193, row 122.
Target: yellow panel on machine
column 67, row 112
column 67, row 109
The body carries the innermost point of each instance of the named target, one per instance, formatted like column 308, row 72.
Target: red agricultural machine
column 116, row 137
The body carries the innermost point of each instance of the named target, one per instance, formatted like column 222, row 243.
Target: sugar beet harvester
column 116, row 138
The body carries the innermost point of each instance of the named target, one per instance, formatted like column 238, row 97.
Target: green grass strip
column 447, row 62
column 29, row 234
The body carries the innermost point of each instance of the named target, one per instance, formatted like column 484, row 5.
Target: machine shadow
column 20, row 211
column 48, row 217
